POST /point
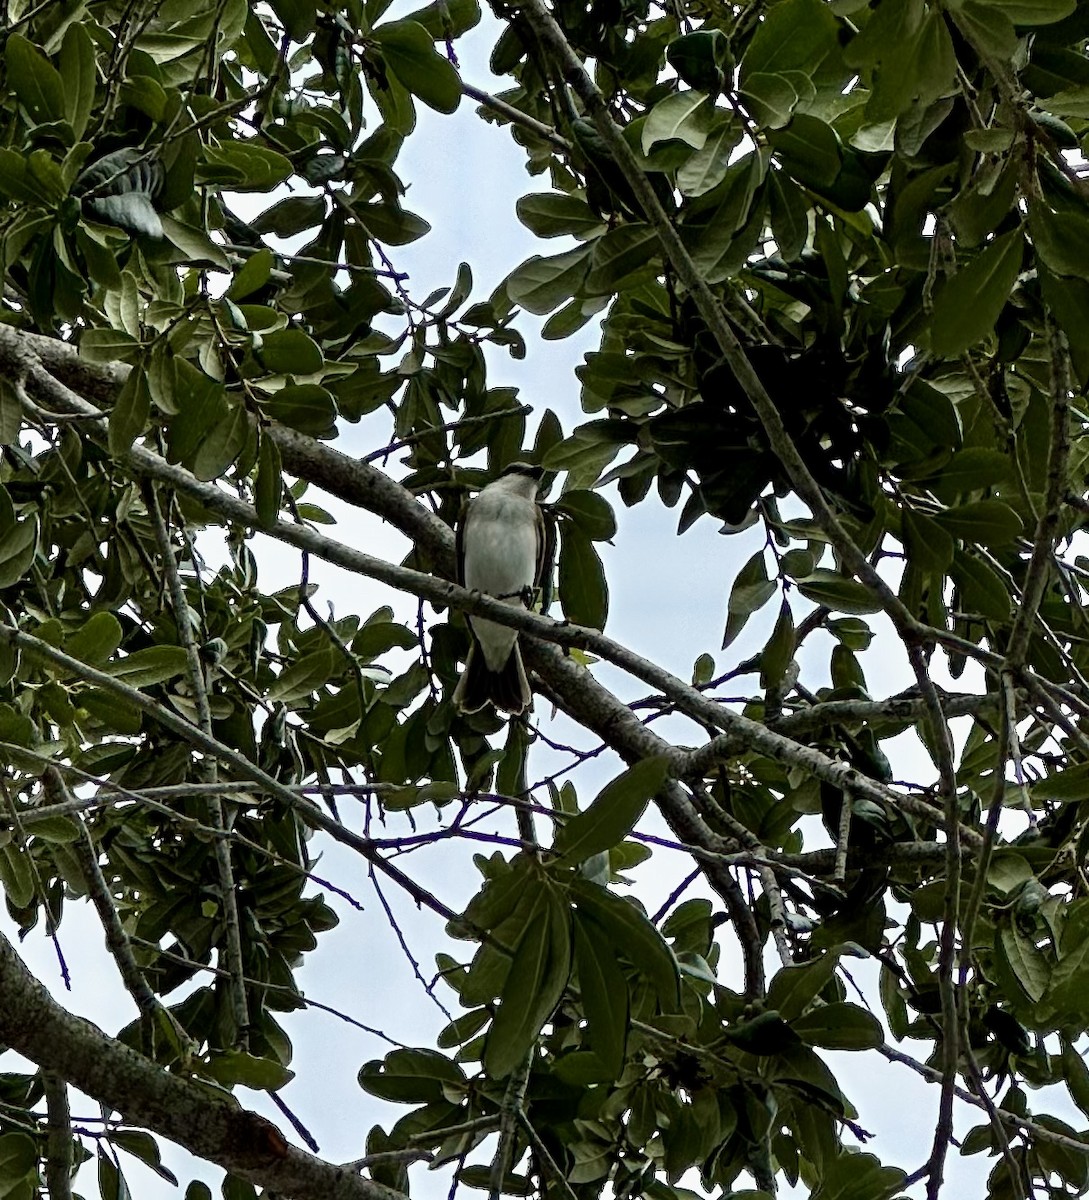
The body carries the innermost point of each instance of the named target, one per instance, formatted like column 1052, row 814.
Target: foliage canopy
column 838, row 253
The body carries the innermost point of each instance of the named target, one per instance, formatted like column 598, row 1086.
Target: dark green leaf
column 143, row 668
column 35, row 80
column 551, row 214
column 634, row 936
column 252, row 275
column 242, row 166
column 967, row 306
column 839, row 1026
column 540, row 285
column 613, row 813
column 130, row 413
column 584, row 593
column 838, row 592
column 591, row 511
column 409, row 52
column 535, row 985
column 604, row 992
column 268, row 490
column 752, row 589
column 288, row 352
column 987, row 521
column 234, row 1067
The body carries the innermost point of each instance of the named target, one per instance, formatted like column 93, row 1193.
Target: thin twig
column 152, row 1012
column 206, row 767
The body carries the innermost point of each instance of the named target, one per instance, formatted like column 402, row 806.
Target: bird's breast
column 500, row 546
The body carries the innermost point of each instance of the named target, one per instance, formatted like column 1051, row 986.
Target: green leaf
column 18, row 1157
column 706, row 169
column 929, row 547
column 242, row 166
column 967, row 306
column 130, row 413
column 77, row 70
column 613, row 813
column 789, row 214
column 195, row 244
column 18, row 884
column 771, row 98
column 291, row 215
column 972, row 469
column 554, row 214
column 604, row 992
column 628, row 929
column 779, row 651
column 624, row 253
column 752, row 589
column 462, row 1028
column 35, row 81
column 391, row 224
column 18, row 545
column 269, row 486
column 144, row 1147
column 59, row 831
column 108, row 345
column 591, row 512
column 540, row 285
column 764, row 1034
column 982, row 588
column 233, row 1067
column 411, row 1076
column 307, row 407
column 303, row 677
column 1034, row 12
column 838, row 592
column 409, row 52
column 155, row 664
column 11, row 414
column 584, row 593
column 700, row 59
column 989, row 522
column 252, row 275
column 1076, row 1074
column 288, row 352
column 535, row 985
column 858, row 1176
column 797, row 35
column 1029, row 967
column 684, row 116
column 1063, row 786
column 1059, row 239
column 96, row 640
column 703, row 670
column 447, row 18
column 793, row 988
column 839, row 1026
column 223, row 443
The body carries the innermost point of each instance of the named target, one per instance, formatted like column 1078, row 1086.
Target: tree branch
column 196, row 1116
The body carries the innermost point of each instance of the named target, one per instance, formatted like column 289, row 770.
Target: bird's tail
column 507, row 688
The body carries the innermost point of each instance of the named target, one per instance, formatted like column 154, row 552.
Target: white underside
column 500, row 548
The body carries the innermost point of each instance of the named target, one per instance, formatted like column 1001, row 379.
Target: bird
column 502, row 551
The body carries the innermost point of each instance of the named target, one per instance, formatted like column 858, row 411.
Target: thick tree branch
column 196, row 1116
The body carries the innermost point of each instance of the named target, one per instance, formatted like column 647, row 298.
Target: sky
column 465, row 176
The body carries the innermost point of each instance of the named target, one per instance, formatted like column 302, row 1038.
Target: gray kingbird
column 502, row 552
